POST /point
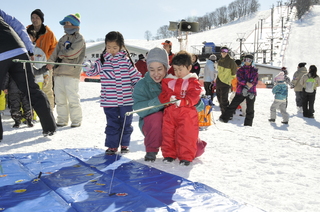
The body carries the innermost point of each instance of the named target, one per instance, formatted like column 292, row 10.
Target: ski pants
column 152, row 130
column 27, row 84
column 282, row 106
column 299, row 97
column 180, row 131
column 222, row 91
column 67, row 100
column 308, row 100
column 235, row 103
column 118, row 126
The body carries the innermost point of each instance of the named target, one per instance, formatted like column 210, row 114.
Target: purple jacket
column 247, row 74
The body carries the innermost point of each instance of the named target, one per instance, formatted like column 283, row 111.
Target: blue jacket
column 280, row 90
column 14, row 39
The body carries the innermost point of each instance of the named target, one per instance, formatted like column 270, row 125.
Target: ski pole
column 150, row 107
column 42, row 62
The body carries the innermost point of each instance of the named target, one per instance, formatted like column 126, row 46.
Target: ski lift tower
column 241, row 39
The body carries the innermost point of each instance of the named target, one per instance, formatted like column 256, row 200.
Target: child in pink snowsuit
column 180, row 127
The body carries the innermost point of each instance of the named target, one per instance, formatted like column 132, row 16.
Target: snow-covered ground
column 272, row 166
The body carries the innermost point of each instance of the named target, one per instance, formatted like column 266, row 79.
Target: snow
column 271, row 166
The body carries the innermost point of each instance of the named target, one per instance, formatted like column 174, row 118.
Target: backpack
column 204, row 116
column 310, row 84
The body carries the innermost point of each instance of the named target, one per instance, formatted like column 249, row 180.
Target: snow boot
column 16, row 124
column 150, row 156
column 271, row 120
column 111, row 151
column 168, row 160
column 124, row 149
column 184, row 163
column 29, row 122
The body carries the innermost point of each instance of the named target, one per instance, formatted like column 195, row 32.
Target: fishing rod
column 150, row 107
column 52, row 63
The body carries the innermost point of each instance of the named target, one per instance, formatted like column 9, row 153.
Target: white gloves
column 172, row 98
column 88, row 65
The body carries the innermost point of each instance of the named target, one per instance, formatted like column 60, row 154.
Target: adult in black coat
column 16, row 44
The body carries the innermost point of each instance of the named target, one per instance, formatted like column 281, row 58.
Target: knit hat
column 158, row 55
column 302, row 65
column 279, row 77
column 213, row 57
column 74, row 19
column 39, row 13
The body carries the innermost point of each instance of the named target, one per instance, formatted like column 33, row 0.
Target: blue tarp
column 88, row 180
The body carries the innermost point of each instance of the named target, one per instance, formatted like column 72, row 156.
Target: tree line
column 226, row 14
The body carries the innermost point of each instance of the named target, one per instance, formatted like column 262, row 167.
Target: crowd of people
column 162, row 87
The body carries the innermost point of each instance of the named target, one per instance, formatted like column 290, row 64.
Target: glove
column 211, row 86
column 67, row 44
column 172, row 98
column 87, row 66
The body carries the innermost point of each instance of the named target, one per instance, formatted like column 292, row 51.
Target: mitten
column 87, row 66
column 67, row 44
column 178, row 102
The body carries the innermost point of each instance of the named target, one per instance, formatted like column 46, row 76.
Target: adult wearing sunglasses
column 247, row 77
column 227, row 70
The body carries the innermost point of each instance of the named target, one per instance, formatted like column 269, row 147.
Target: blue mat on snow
column 79, row 180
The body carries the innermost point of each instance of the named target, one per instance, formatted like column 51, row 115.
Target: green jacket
column 227, row 69
column 145, row 94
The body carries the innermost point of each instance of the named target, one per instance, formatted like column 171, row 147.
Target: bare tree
column 147, row 35
column 164, row 32
column 233, row 11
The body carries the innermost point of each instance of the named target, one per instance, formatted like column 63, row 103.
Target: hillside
column 291, row 44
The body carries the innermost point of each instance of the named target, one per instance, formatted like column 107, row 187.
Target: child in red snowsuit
column 180, row 120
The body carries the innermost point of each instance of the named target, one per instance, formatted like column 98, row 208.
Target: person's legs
column 38, row 99
column 62, row 106
column 249, row 112
column 311, row 98
column 208, row 90
column 283, row 110
column 299, row 98
column 152, row 130
column 113, row 128
column 73, row 100
column 126, row 127
column 48, row 89
column 232, row 107
column 273, row 110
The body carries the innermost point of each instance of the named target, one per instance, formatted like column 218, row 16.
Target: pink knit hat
column 279, row 77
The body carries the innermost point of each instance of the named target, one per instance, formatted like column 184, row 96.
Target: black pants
column 222, row 91
column 308, row 100
column 233, row 106
column 208, row 90
column 39, row 100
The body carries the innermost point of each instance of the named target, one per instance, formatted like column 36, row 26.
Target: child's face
column 112, row 48
column 67, row 23
column 194, row 58
column 33, row 39
column 181, row 71
column 157, row 71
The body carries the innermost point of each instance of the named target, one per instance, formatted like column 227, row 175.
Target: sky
column 271, row 166
column 131, row 18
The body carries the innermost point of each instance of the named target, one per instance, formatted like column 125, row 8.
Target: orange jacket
column 47, row 42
